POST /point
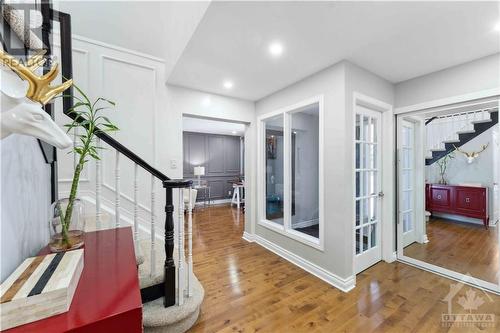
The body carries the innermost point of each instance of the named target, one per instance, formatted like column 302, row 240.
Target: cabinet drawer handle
column 467, row 200
column 439, row 196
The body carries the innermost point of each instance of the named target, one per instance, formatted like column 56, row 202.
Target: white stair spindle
column 153, row 252
column 117, row 189
column 181, row 277
column 98, row 185
column 136, row 205
column 190, row 246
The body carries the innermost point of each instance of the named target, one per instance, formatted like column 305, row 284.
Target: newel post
column 169, row 267
column 169, row 279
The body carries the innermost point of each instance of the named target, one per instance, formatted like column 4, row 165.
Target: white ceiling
column 198, row 125
column 396, row 40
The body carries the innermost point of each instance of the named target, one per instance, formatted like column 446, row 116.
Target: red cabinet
column 458, row 200
column 107, row 298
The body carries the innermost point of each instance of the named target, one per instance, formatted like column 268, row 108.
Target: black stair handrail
column 430, row 119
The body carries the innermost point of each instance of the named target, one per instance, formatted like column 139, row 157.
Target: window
column 290, row 172
column 274, row 141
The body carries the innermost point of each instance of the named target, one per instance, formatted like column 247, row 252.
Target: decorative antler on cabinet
column 471, row 156
column 39, row 89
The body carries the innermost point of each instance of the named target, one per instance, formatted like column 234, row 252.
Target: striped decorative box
column 40, row 287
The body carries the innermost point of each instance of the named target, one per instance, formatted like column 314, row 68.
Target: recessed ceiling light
column 228, row 84
column 497, row 27
column 276, row 49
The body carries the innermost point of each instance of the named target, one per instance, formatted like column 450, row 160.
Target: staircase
column 170, row 291
column 444, row 133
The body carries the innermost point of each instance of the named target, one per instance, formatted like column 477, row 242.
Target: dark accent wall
column 221, row 157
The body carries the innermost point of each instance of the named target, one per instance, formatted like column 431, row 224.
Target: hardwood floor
column 249, row 289
column 461, row 247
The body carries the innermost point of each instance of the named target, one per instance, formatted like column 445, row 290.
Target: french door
column 368, row 195
column 407, row 182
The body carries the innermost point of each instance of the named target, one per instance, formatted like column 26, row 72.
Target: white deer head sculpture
column 21, row 101
column 471, row 156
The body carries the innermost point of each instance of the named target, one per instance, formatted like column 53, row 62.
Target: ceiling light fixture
column 276, row 49
column 228, row 84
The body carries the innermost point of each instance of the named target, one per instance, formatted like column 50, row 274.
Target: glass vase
column 66, row 236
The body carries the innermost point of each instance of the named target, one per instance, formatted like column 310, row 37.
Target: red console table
column 458, row 200
column 107, row 298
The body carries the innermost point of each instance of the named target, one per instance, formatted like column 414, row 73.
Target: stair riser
column 479, row 128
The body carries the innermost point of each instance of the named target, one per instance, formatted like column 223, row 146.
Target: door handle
column 467, row 200
column 439, row 196
column 380, row 194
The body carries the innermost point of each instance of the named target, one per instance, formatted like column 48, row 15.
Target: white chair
column 194, row 194
column 237, row 199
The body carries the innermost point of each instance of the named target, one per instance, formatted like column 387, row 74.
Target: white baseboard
column 343, row 284
column 248, row 237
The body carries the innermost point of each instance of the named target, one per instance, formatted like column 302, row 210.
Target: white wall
column 338, row 84
column 135, row 82
column 478, row 172
column 158, row 28
column 182, row 101
column 25, row 201
column 149, row 115
column 330, row 83
column 477, row 75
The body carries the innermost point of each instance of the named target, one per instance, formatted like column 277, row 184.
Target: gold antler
column 461, row 151
column 39, row 89
column 473, row 153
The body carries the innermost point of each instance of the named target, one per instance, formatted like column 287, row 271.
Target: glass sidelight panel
column 274, row 156
column 304, row 139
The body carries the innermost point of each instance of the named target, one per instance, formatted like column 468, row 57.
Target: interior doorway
column 368, row 194
column 214, row 158
column 448, row 191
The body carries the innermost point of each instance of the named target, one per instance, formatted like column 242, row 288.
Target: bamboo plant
column 88, row 117
column 443, row 165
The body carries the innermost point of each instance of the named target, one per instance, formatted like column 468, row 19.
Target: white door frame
column 442, row 104
column 387, row 225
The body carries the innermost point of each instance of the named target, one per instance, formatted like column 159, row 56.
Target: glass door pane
column 367, row 187
column 407, row 174
column 274, row 158
column 304, row 139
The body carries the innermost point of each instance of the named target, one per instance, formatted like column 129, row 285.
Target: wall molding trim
column 112, row 47
column 344, row 285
